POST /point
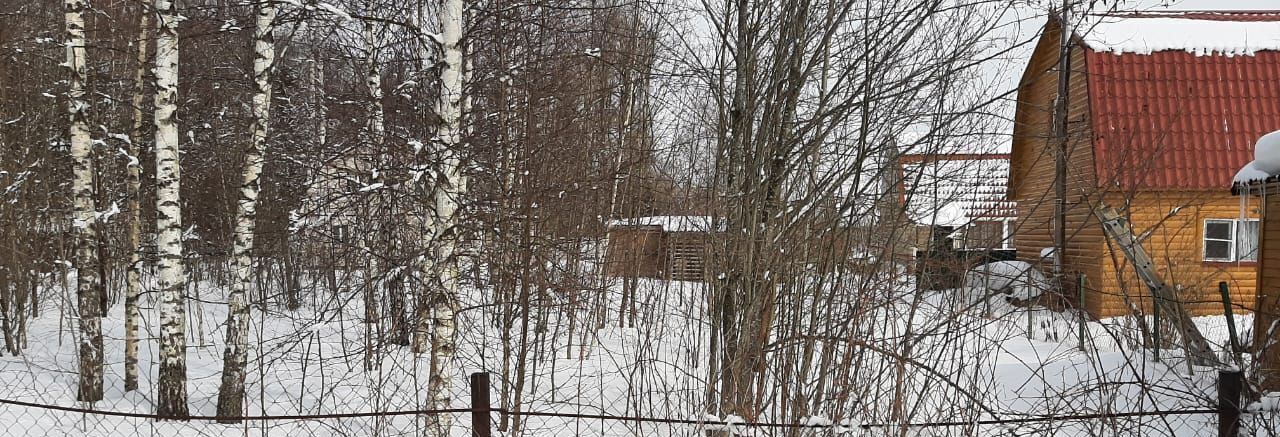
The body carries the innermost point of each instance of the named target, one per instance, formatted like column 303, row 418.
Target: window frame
column 1233, row 244
column 1006, row 235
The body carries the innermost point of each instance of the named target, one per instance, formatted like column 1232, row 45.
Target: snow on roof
column 954, row 191
column 1249, row 173
column 1201, row 33
column 668, row 223
column 1266, row 161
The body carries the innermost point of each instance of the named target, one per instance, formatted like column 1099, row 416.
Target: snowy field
column 947, row 356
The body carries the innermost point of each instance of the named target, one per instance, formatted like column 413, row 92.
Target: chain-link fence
column 484, row 420
column 626, row 359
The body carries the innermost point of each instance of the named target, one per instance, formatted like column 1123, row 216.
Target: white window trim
column 1204, row 241
column 1233, row 243
column 1006, row 234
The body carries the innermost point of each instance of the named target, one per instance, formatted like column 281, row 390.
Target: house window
column 1247, row 233
column 984, row 235
column 1230, row 240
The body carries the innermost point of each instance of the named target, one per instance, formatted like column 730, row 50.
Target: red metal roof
column 1175, row 120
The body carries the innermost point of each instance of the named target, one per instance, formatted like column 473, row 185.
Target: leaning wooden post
column 1231, row 320
column 480, row 406
column 1230, row 386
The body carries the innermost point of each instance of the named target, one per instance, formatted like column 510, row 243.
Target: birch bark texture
column 171, row 388
column 450, row 186
column 83, row 220
column 375, row 139
column 423, row 315
column 133, row 276
column 231, row 393
column 373, row 80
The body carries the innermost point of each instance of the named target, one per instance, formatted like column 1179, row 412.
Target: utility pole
column 1060, row 136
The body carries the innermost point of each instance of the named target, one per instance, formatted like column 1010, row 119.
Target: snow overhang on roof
column 1200, row 33
column 1264, row 168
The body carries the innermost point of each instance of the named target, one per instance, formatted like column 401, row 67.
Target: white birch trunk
column 375, row 140
column 448, row 190
column 90, row 389
column 231, row 393
column 318, row 103
column 373, row 79
column 421, row 336
column 171, row 388
column 133, row 277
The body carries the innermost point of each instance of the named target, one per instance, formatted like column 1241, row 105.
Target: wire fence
column 325, row 370
column 481, row 419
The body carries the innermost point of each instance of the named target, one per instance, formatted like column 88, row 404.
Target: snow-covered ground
column 946, row 356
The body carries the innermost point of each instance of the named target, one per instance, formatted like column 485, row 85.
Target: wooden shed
column 962, row 216
column 964, row 192
column 1157, row 126
column 659, row 247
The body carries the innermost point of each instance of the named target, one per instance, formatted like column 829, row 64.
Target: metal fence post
column 1084, row 325
column 1155, row 323
column 1230, row 385
column 480, row 406
column 1231, row 320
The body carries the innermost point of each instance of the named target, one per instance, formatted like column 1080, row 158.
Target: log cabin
column 1162, row 109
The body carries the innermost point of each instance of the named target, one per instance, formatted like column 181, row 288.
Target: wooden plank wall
column 686, row 253
column 1173, row 223
column 1175, row 241
column 1032, row 166
column 635, row 252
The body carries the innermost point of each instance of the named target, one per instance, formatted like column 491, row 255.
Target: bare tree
column 807, row 97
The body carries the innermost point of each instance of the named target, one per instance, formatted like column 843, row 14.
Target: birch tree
column 133, row 277
column 231, row 393
column 375, row 142
column 450, row 186
column 87, row 278
column 171, row 390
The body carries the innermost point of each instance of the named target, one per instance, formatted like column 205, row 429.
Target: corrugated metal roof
column 1175, row 120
